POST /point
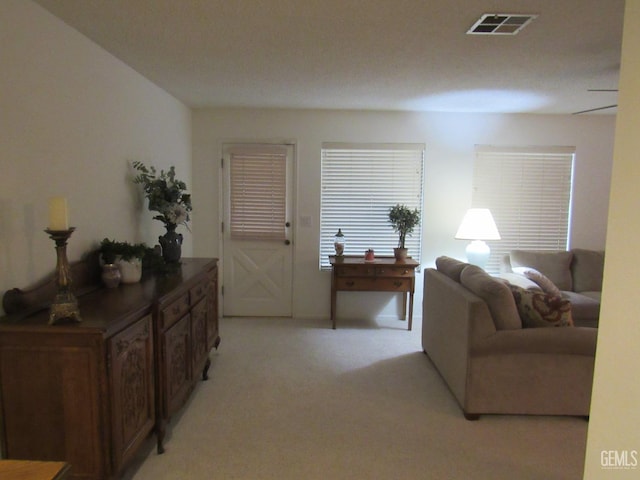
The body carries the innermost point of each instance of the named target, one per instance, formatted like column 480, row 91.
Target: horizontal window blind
column 258, row 193
column 529, row 194
column 360, row 183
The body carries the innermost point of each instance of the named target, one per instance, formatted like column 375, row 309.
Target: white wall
column 615, row 417
column 450, row 140
column 72, row 117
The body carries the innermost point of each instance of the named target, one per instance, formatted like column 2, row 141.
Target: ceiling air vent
column 500, row 24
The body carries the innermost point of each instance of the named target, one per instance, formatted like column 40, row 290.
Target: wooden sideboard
column 90, row 393
column 384, row 274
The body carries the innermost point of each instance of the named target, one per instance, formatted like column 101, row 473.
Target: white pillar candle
column 58, row 214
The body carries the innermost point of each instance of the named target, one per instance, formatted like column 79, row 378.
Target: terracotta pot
column 400, row 253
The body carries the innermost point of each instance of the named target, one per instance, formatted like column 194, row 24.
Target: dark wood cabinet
column 90, row 393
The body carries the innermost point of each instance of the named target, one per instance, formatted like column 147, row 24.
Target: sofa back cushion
column 587, row 268
column 451, row 267
column 496, row 294
column 556, row 266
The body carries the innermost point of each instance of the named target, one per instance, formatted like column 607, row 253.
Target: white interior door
column 257, row 230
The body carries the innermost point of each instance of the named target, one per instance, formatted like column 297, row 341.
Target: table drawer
column 174, row 311
column 374, row 284
column 395, row 272
column 356, row 271
column 397, row 284
column 198, row 292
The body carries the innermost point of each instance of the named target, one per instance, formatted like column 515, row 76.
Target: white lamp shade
column 478, row 224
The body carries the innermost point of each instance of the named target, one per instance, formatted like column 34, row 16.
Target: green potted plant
column 127, row 256
column 403, row 220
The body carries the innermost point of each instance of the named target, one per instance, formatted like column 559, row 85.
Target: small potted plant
column 127, row 256
column 403, row 220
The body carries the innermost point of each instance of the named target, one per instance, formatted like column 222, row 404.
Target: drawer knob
column 350, row 283
column 397, row 283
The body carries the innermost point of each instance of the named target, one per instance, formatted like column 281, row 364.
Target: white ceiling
column 362, row 54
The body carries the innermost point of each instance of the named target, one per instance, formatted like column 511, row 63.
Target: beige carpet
column 293, row 399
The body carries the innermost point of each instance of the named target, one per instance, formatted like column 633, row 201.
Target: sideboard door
column 132, row 388
column 177, row 365
column 199, row 337
column 50, row 384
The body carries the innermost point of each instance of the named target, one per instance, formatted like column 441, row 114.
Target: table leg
column 404, row 306
column 410, row 310
column 333, row 303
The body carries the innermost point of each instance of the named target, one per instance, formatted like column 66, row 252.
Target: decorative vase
column 171, row 243
column 400, row 254
column 111, row 275
column 130, row 270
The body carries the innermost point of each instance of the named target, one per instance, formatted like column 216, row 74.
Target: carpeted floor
column 294, row 399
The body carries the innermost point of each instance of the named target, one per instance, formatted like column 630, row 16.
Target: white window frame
column 360, row 183
column 529, row 193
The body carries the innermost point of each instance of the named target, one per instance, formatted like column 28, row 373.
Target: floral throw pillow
column 542, row 280
column 539, row 309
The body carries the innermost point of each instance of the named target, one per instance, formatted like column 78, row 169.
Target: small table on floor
column 384, row 274
column 33, row 470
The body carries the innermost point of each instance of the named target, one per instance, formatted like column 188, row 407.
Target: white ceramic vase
column 130, row 270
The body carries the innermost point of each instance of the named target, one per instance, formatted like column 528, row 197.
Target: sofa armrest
column 544, row 341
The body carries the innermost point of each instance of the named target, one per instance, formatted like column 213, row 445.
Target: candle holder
column 65, row 305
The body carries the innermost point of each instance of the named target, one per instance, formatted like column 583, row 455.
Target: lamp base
column 478, row 253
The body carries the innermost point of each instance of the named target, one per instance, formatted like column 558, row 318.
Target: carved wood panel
column 177, row 364
column 132, row 384
column 199, row 335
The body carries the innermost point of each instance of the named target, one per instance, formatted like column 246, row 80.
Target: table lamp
column 478, row 225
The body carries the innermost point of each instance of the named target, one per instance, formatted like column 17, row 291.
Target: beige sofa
column 577, row 273
column 473, row 334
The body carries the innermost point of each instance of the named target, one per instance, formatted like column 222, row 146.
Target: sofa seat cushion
column 539, row 309
column 496, row 294
column 585, row 309
column 554, row 265
column 597, row 296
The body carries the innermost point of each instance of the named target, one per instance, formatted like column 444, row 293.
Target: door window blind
column 528, row 191
column 360, row 183
column 258, row 193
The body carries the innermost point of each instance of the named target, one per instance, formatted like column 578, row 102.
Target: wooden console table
column 384, row 274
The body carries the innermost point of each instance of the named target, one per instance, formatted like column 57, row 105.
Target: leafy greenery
column 166, row 194
column 403, row 220
column 111, row 250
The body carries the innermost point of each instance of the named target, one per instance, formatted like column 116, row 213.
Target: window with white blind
column 528, row 191
column 258, row 193
column 360, row 183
